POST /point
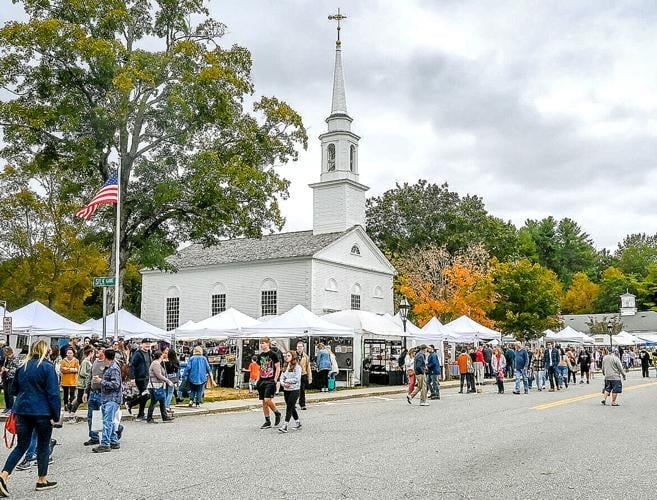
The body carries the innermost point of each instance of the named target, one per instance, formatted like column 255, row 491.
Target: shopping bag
column 331, row 384
column 96, row 421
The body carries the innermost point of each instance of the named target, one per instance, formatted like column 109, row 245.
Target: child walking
column 254, row 373
column 291, row 380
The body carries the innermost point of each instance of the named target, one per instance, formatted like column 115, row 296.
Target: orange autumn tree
column 437, row 283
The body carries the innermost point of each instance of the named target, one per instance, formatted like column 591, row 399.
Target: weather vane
column 337, row 17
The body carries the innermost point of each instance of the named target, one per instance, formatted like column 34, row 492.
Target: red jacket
column 480, row 356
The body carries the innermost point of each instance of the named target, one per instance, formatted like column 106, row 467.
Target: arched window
column 268, row 298
column 330, row 158
column 355, row 250
column 332, row 285
column 355, row 297
column 352, row 158
column 217, row 299
column 378, row 292
column 173, row 308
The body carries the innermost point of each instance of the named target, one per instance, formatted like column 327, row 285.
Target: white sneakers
column 283, row 428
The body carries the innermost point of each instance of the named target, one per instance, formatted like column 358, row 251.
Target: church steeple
column 339, row 198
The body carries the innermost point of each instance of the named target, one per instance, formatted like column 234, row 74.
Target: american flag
column 109, row 193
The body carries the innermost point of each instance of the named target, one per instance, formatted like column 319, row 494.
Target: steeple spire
column 339, row 102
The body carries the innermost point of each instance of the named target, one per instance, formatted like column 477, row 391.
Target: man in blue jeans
column 520, row 365
column 433, row 369
column 111, row 394
column 92, row 393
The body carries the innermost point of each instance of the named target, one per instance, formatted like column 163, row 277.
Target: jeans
column 156, row 400
column 421, row 387
column 469, row 379
column 291, row 405
column 109, row 432
column 553, row 376
column 434, row 386
column 93, row 403
column 170, row 389
column 31, row 452
column 195, row 392
column 540, row 379
column 26, row 425
column 77, row 401
column 563, row 375
column 521, row 375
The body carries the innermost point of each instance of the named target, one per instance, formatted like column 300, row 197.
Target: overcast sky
column 541, row 108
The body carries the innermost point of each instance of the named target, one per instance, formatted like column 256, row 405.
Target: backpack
column 10, row 427
column 401, row 360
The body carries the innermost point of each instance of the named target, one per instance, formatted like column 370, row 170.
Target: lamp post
column 610, row 327
column 404, row 307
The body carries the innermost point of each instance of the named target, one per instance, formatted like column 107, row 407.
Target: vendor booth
column 569, row 336
column 130, row 327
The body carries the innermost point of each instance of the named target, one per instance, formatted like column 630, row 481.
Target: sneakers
column 26, row 464
column 4, row 492
column 297, row 426
column 303, row 407
column 48, row 485
column 115, row 446
column 151, row 421
column 101, row 449
column 266, row 425
column 408, row 398
column 278, row 418
column 91, row 442
column 283, row 429
column 119, row 431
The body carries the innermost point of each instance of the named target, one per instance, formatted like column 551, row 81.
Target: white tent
column 464, row 329
column 297, row 322
column 647, row 338
column 222, row 325
column 410, row 327
column 367, row 323
column 569, row 334
column 130, row 327
column 38, row 320
column 435, row 329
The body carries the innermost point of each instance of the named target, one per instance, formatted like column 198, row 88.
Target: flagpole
column 117, row 258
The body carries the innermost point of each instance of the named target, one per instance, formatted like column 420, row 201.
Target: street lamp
column 404, row 307
column 610, row 329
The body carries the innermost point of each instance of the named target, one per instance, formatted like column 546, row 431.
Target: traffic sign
column 6, row 325
column 104, row 281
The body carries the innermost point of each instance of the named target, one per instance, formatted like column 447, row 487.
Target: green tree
column 561, row 246
column 614, row 283
column 647, row 289
column 528, row 298
column 101, row 83
column 581, row 296
column 636, row 253
column 415, row 216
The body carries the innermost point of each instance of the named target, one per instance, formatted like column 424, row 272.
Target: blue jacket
column 433, row 364
column 552, row 358
column 420, row 365
column 140, row 363
column 37, row 388
column 323, row 360
column 197, row 370
column 521, row 361
column 111, row 387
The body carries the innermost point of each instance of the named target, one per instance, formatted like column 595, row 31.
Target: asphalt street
column 542, row 445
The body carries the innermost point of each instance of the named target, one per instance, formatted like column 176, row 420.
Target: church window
column 355, row 297
column 378, row 292
column 352, row 158
column 217, row 299
column 331, row 158
column 355, row 250
column 173, row 313
column 332, row 285
column 268, row 298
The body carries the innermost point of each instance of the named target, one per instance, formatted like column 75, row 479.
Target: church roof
column 272, row 246
column 642, row 321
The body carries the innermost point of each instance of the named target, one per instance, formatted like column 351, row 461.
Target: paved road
column 543, row 445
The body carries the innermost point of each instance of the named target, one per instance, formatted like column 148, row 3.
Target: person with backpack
column 37, row 407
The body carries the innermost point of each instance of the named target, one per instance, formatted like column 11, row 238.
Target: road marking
column 562, row 402
column 384, row 399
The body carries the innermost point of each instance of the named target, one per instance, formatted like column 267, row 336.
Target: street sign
column 104, row 281
column 6, row 325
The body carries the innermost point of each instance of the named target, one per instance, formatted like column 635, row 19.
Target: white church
column 332, row 267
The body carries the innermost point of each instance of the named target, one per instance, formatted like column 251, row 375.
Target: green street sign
column 104, row 281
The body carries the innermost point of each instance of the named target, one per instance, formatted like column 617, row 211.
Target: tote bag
column 96, row 420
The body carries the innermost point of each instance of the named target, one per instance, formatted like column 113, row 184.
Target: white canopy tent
column 647, row 338
column 410, row 327
column 297, row 322
column 130, row 327
column 464, row 329
column 570, row 335
column 37, row 320
column 220, row 326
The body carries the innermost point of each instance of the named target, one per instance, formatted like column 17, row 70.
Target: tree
column 416, row 216
column 527, row 298
column 581, row 296
column 560, row 246
column 86, row 95
column 437, row 283
column 636, row 253
column 614, row 283
column 647, row 289
column 44, row 256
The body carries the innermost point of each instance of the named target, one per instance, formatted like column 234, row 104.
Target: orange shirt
column 254, row 371
column 69, row 379
column 462, row 360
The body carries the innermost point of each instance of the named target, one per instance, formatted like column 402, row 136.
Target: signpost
column 6, row 326
column 104, row 282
